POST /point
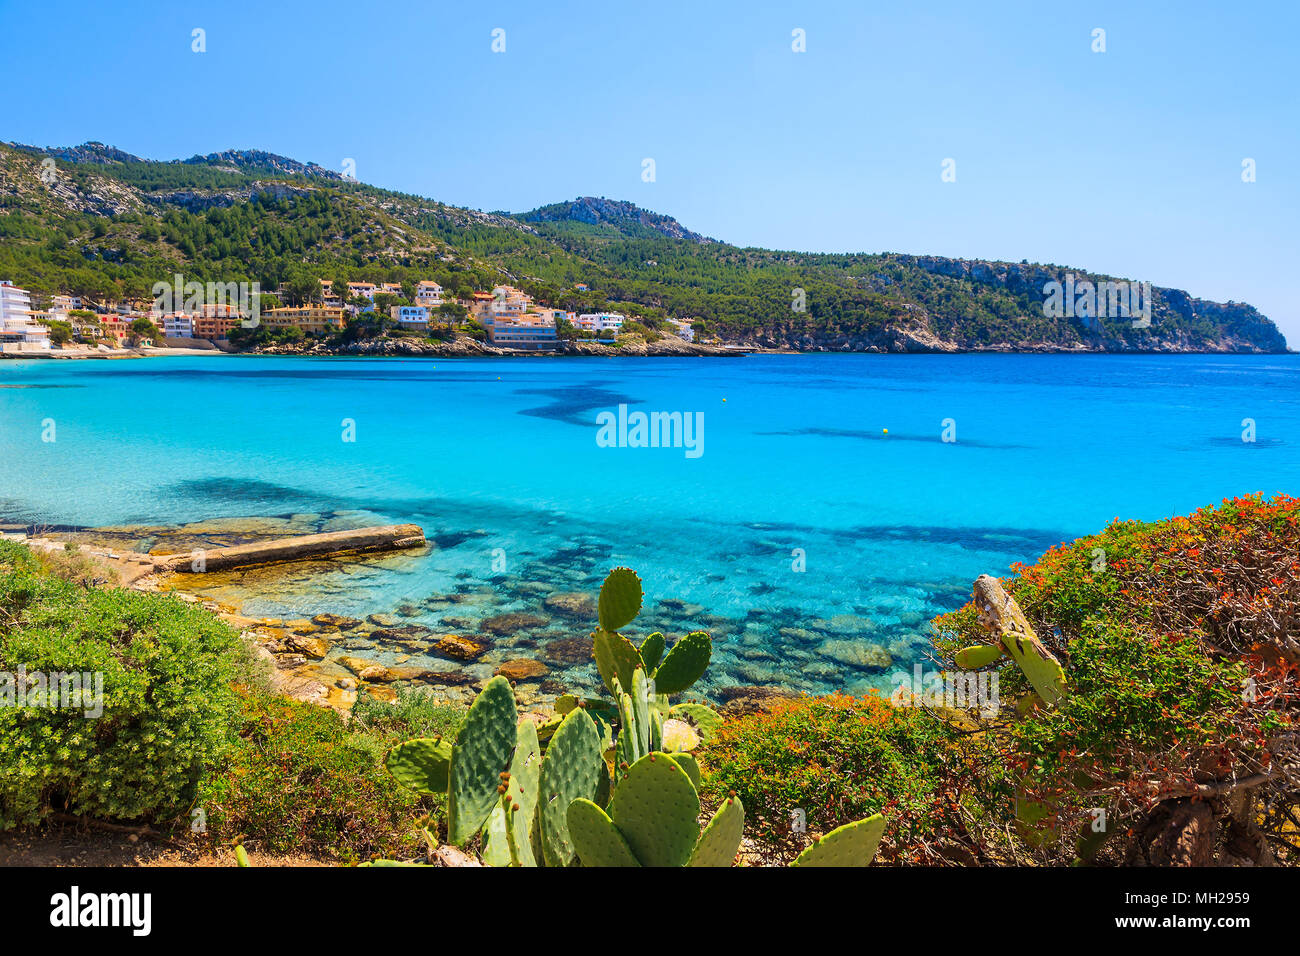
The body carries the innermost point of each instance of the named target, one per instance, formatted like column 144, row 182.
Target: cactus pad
column 652, row 650
column 655, row 807
column 720, row 841
column 421, row 765
column 482, row 752
column 692, row 767
column 596, row 838
column 684, row 664
column 620, row 599
column 1041, row 668
column 703, row 718
column 571, row 770
column 853, row 844
column 616, row 658
column 978, row 655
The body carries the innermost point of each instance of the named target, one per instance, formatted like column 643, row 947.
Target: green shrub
column 415, row 713
column 837, row 759
column 165, row 668
column 298, row 779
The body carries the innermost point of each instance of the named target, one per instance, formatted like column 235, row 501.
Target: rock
column 860, row 654
column 572, row 604
column 845, row 624
column 501, row 624
column 569, row 650
column 747, row 700
column 522, row 668
column 401, row 632
column 313, row 647
column 336, row 621
column 382, row 620
column 459, row 647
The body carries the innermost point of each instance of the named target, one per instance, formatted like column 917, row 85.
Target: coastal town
column 506, row 317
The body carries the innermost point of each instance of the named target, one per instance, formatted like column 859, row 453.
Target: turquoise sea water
column 502, row 454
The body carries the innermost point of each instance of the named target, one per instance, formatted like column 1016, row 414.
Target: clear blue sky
column 1126, row 162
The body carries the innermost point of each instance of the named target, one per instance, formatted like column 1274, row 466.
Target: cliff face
column 1178, row 322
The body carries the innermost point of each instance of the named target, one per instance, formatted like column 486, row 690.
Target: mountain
column 108, row 223
column 624, row 217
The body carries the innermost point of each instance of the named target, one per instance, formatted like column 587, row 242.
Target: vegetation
column 297, row 779
column 1178, row 643
column 614, row 784
column 166, row 669
column 218, row 223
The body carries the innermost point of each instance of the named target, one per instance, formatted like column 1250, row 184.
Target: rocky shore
column 532, row 626
column 463, row 346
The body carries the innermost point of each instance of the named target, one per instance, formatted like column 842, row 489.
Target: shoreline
column 727, row 352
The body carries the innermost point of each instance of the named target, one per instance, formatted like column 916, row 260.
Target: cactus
column 684, row 664
column 550, row 809
column 1041, row 669
column 620, row 599
column 655, row 807
column 978, row 655
column 703, row 718
column 507, row 834
column 720, row 841
column 616, row 658
column 853, row 844
column 571, row 770
column 241, row 856
column 652, row 651
column 422, row 765
column 482, row 751
column 598, row 841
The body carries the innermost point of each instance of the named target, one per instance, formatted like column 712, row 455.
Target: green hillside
column 111, row 225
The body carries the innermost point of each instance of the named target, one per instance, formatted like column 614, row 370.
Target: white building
column 683, row 329
column 18, row 333
column 599, row 321
column 178, row 325
column 414, row 317
column 428, row 294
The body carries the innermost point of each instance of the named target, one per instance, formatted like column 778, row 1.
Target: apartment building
column 18, row 331
column 600, row 321
column 428, row 294
column 313, row 319
column 413, row 317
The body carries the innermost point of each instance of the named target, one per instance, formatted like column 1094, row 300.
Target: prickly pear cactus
column 684, row 664
column 482, row 751
column 620, row 599
column 652, row 651
column 501, row 846
column 720, row 841
column 703, row 718
column 978, row 655
column 571, row 770
column 422, row 765
column 1042, row 670
column 656, row 808
column 596, row 838
column 617, row 659
column 853, row 844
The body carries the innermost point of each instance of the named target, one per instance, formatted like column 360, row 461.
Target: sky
column 1127, row 162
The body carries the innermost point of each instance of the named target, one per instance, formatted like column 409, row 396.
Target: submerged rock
column 336, row 621
column 860, row 654
column 501, row 624
column 460, row 647
column 569, row 650
column 522, row 669
column 573, row 604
